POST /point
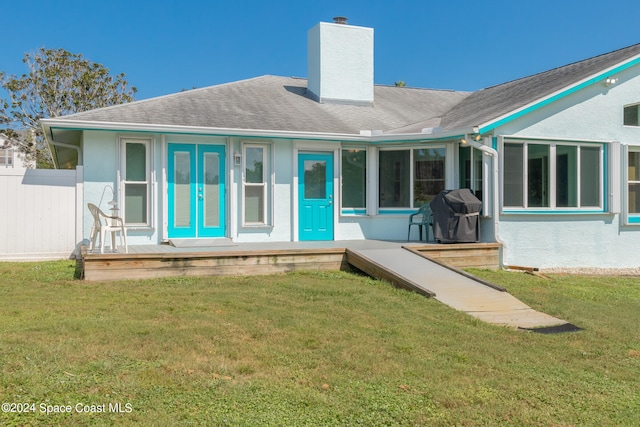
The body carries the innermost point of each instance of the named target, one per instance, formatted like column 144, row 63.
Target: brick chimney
column 340, row 63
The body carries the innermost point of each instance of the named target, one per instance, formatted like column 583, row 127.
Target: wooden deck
column 152, row 261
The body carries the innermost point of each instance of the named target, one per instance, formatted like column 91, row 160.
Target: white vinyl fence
column 39, row 213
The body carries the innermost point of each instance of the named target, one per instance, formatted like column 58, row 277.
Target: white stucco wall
column 279, row 210
column 101, row 162
column 551, row 239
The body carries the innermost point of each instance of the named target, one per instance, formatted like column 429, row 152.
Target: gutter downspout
column 488, row 150
column 60, row 144
column 65, row 145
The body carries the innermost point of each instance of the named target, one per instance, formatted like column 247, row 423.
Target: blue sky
column 166, row 46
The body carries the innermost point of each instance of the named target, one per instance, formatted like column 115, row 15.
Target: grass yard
column 309, row 349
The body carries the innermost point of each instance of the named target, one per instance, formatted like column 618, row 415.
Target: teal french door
column 196, row 190
column 315, row 196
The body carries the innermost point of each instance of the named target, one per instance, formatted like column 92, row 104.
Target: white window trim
column 122, row 179
column 268, row 182
column 552, row 144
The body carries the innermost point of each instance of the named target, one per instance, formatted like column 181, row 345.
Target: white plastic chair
column 103, row 224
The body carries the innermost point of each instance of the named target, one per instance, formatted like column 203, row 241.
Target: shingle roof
column 279, row 103
column 491, row 103
column 274, row 103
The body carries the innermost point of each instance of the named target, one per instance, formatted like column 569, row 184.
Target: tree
column 58, row 83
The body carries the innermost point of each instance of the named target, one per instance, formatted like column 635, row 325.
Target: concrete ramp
column 409, row 269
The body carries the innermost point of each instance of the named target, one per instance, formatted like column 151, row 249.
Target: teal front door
column 315, row 196
column 196, row 190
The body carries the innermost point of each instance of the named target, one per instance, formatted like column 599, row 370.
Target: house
column 554, row 157
column 9, row 156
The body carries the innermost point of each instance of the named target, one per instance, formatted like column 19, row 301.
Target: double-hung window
column 553, row 175
column 6, row 157
column 135, row 175
column 410, row 178
column 256, row 185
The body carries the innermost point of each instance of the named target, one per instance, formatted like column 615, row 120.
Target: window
column 552, row 175
column 410, row 178
column 470, row 167
column 6, row 157
column 135, row 180
column 255, row 185
column 354, row 178
column 632, row 115
column 633, row 182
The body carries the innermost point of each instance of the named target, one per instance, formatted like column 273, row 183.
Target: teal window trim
column 353, row 212
column 407, row 211
column 554, row 212
column 633, row 219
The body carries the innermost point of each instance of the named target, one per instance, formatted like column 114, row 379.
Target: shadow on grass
column 566, row 327
column 79, row 269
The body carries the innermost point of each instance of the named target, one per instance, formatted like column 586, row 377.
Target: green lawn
column 310, row 349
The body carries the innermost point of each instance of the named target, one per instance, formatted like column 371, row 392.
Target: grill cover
column 456, row 216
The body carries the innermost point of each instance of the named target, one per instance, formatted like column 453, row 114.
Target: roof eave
column 51, row 124
column 491, row 125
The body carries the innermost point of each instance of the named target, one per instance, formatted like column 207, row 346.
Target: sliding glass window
column 410, row 178
column 553, row 175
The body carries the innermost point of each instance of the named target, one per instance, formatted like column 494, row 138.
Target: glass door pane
column 211, row 192
column 181, row 191
column 315, row 183
column 182, row 188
